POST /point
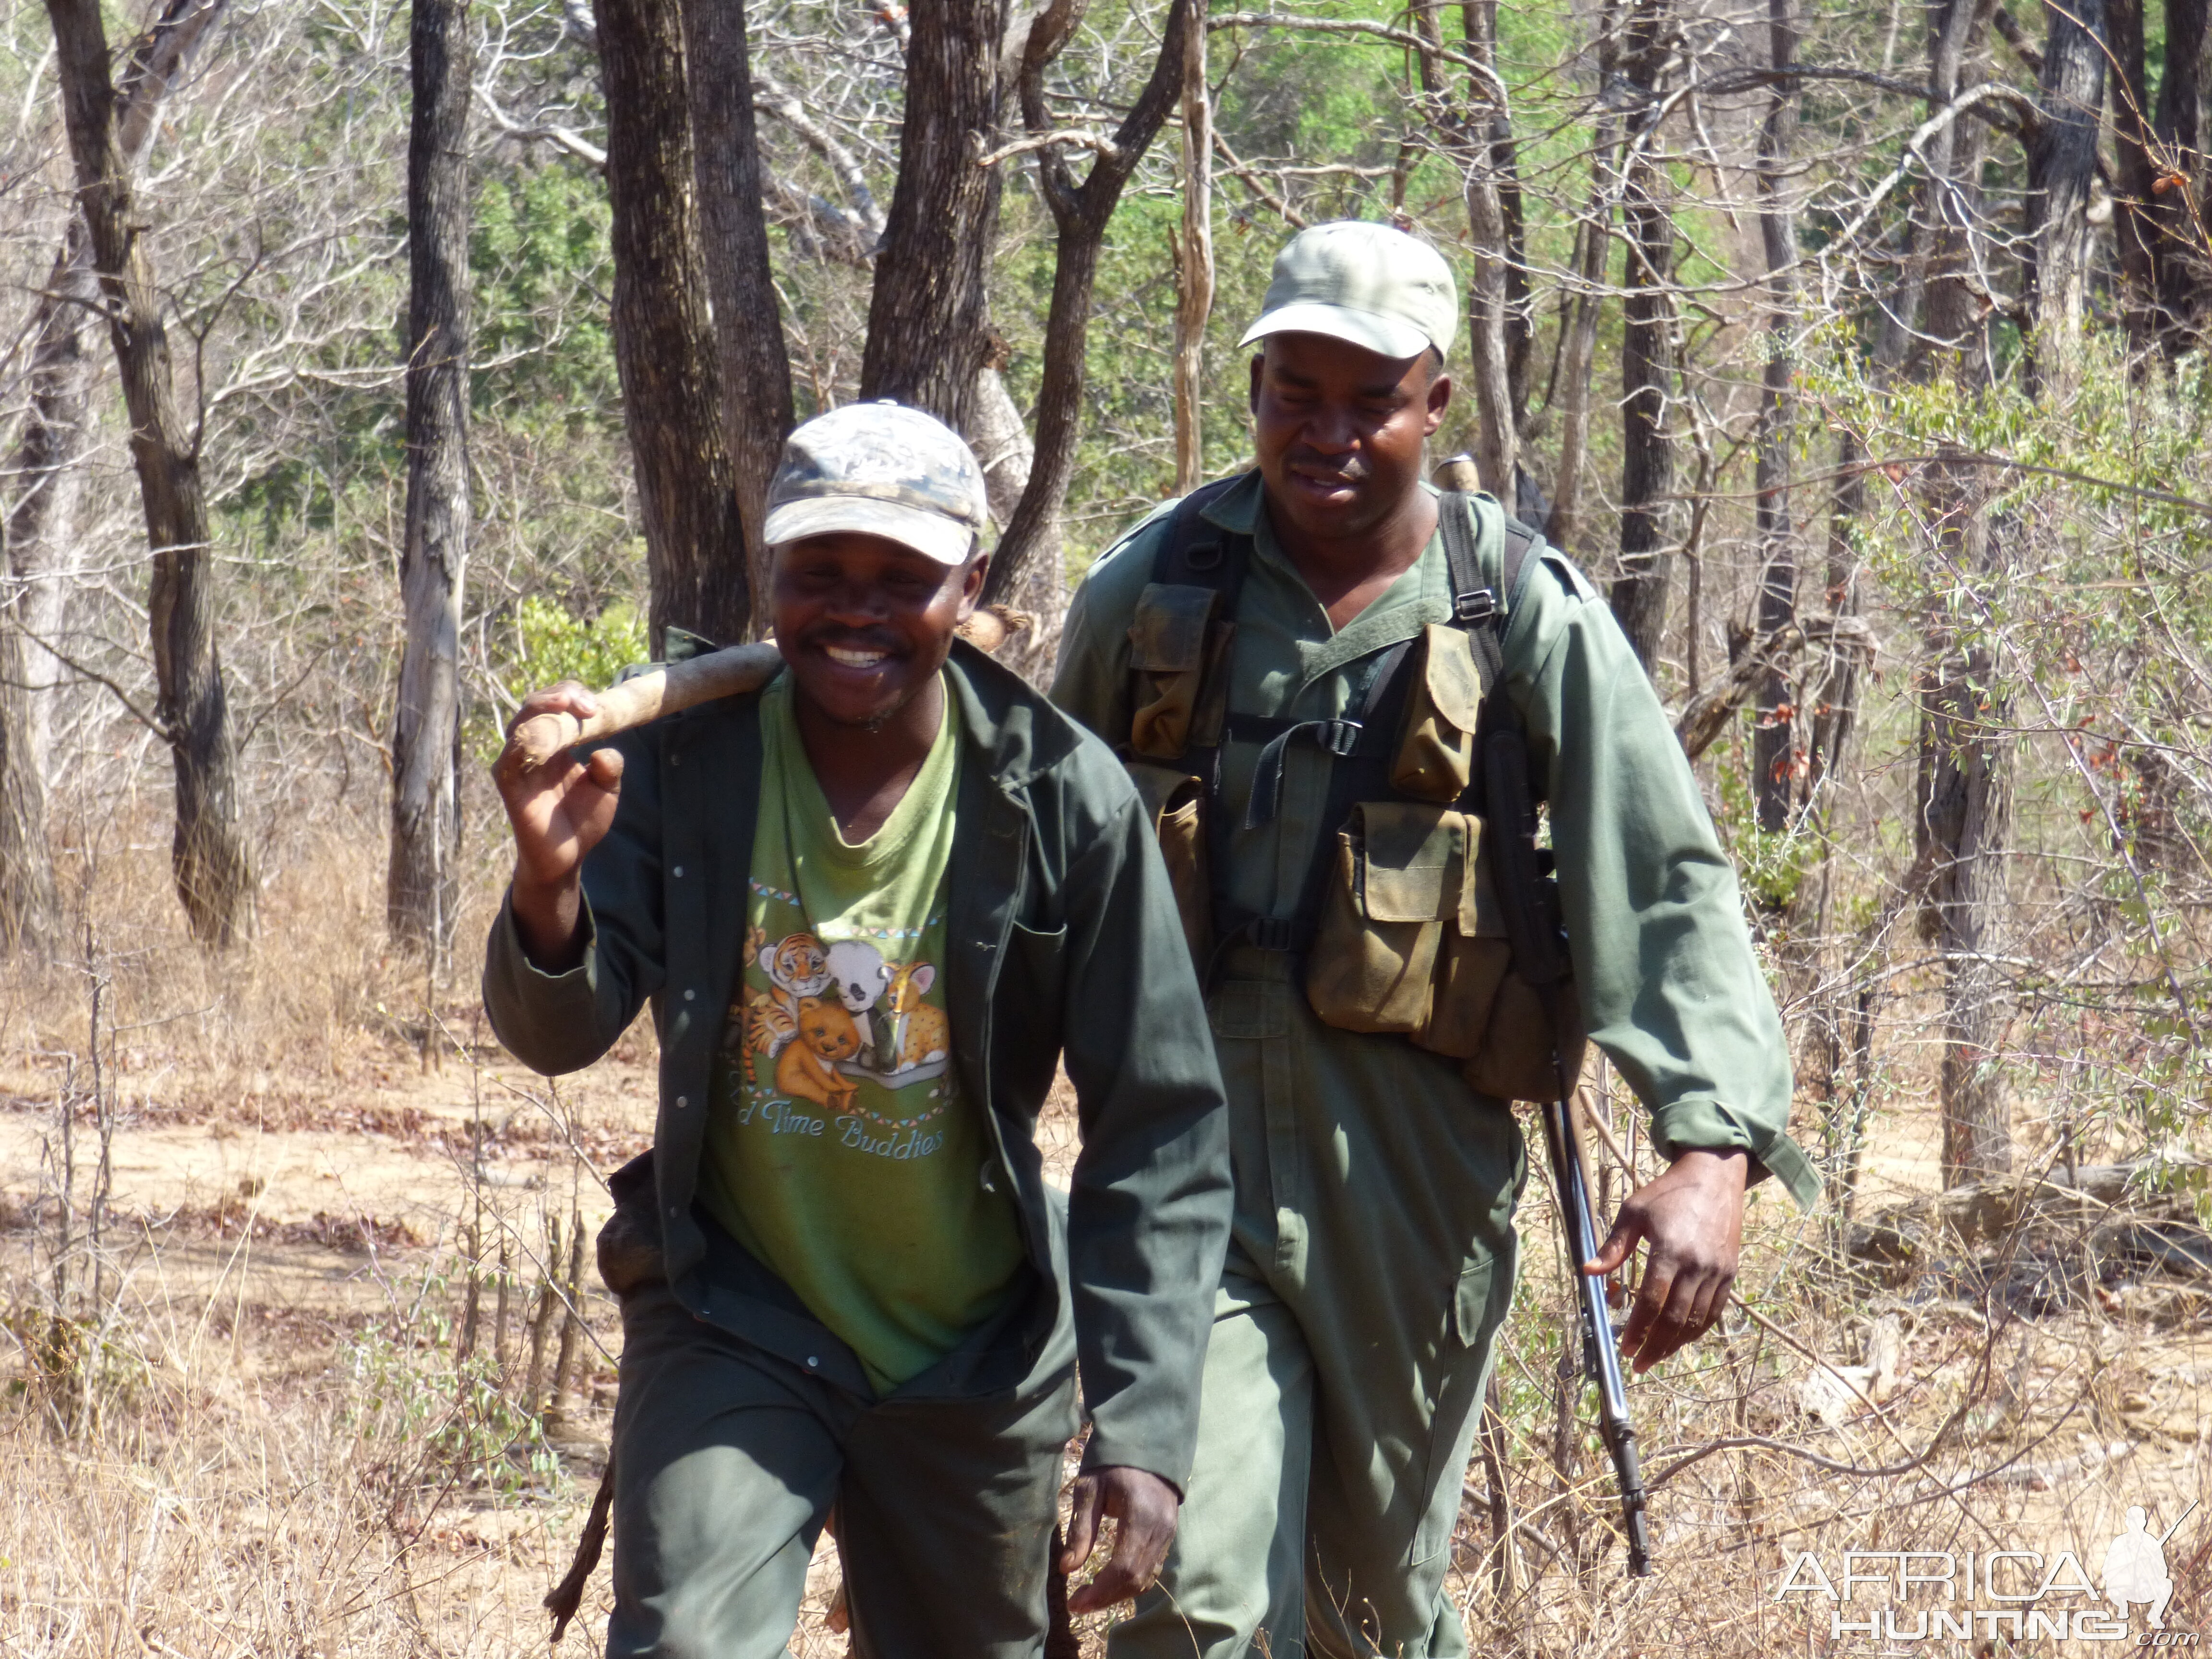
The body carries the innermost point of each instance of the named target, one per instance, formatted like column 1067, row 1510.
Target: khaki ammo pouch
column 1174, row 806
column 1173, row 643
column 1413, row 941
column 1435, row 757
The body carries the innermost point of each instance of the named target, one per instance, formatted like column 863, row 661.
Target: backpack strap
column 1197, row 553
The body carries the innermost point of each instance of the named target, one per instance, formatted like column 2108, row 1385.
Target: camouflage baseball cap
column 1375, row 287
column 880, row 469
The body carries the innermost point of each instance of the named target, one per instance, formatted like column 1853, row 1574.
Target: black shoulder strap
column 1477, row 606
column 1196, row 553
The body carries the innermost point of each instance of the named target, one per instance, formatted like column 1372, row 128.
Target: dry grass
column 250, row 1435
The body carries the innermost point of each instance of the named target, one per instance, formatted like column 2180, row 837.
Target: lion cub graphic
column 808, row 1069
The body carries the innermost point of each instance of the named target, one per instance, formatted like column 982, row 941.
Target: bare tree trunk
column 1489, row 300
column 1081, row 212
column 2185, row 275
column 45, row 552
column 665, row 346
column 28, row 913
column 1964, row 762
column 1578, row 352
column 43, row 546
column 1001, row 441
column 423, row 887
column 756, row 370
column 214, row 873
column 1954, row 29
column 1647, row 463
column 1965, row 810
column 2135, row 225
column 928, row 317
column 1773, row 744
column 2062, row 163
column 1194, row 258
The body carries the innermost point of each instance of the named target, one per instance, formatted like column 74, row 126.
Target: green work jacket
column 1670, row 986
column 1065, row 942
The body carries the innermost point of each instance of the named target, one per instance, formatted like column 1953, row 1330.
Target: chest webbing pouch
column 1404, row 922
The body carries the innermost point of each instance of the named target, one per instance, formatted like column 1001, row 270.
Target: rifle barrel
column 1601, row 1359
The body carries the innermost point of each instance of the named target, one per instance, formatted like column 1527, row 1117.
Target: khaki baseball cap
column 880, row 469
column 1375, row 287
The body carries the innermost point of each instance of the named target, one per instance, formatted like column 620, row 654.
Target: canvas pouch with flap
column 1178, row 652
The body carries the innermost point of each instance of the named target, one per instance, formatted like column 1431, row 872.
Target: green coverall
column 1373, row 1251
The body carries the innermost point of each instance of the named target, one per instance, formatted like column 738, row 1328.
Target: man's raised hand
column 559, row 812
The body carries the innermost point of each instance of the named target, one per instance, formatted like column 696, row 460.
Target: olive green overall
column 1373, row 1251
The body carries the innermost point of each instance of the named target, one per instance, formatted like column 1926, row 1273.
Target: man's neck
column 1349, row 573
column 865, row 771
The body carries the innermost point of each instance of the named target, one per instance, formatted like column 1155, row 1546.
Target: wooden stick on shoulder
column 725, row 673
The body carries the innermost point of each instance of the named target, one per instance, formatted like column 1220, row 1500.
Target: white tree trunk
column 1002, row 443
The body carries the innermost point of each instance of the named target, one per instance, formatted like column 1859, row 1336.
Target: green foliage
column 429, row 1420
column 552, row 643
column 544, row 349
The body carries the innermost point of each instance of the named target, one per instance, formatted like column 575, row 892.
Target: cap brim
column 1387, row 335
column 930, row 534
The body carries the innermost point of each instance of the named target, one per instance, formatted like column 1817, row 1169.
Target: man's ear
column 1259, row 366
column 971, row 584
column 1440, row 391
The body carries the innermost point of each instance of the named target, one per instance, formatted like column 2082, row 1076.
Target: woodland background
column 364, row 366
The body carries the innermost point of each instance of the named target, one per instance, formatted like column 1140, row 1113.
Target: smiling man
column 1261, row 638
column 873, row 907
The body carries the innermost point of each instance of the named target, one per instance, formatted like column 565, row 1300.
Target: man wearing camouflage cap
column 874, row 906
column 1250, row 637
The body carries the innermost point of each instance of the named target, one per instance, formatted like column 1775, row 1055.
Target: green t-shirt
column 839, row 1150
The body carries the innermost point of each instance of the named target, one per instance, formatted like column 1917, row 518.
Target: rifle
column 1529, row 897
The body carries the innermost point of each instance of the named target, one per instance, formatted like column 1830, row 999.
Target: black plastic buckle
column 1338, row 737
column 1274, row 932
column 1478, row 607
column 1202, row 556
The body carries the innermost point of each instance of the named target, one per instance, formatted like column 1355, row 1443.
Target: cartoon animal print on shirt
column 808, row 1069
column 859, row 976
column 799, row 967
column 767, row 1026
column 924, row 1033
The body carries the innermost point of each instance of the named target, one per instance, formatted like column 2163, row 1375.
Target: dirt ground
column 263, row 1460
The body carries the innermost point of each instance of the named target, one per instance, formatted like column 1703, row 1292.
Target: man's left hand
column 1692, row 1217
column 1144, row 1507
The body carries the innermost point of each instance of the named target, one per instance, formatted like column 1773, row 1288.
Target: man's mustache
column 1344, row 470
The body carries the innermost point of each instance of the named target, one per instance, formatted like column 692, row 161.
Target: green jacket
column 1671, row 988
column 1065, row 942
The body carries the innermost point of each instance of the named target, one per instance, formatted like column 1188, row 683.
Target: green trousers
column 728, row 1460
column 1372, row 1265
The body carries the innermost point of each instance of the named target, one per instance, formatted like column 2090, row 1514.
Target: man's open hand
column 1144, row 1507
column 1692, row 1218
column 559, row 812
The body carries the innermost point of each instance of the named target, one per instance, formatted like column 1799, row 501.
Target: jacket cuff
column 540, row 1016
column 1701, row 1123
column 1108, row 1450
